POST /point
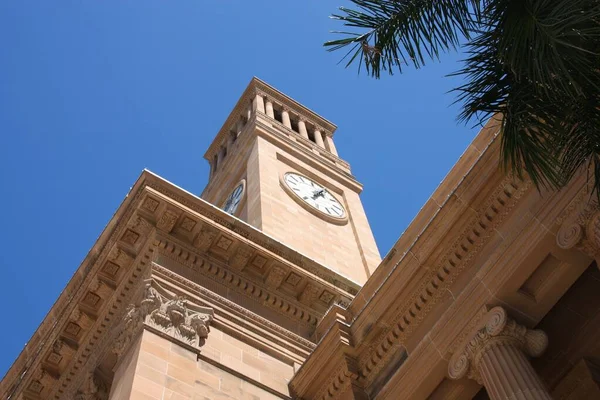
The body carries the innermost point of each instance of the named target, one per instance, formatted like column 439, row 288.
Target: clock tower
column 274, row 165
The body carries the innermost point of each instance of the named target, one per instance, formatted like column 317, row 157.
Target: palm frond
column 402, row 32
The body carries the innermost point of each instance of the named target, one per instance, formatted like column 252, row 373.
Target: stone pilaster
column 496, row 358
column 330, row 145
column 258, row 103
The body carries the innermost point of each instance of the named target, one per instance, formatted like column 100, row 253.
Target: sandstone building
column 270, row 285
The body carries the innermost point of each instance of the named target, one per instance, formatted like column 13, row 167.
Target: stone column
column 496, row 358
column 285, row 117
column 330, row 145
column 269, row 107
column 258, row 103
column 220, row 155
column 319, row 138
column 249, row 111
column 239, row 126
column 302, row 129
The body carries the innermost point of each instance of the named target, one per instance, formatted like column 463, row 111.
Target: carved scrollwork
column 569, row 235
column 581, row 231
column 168, row 313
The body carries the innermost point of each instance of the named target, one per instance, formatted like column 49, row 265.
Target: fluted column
column 285, row 117
column 319, row 138
column 330, row 145
column 302, row 129
column 496, row 358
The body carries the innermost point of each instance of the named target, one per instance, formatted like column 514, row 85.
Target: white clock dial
column 234, row 199
column 314, row 195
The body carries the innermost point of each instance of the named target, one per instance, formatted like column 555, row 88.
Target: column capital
column 499, row 329
column 167, row 314
column 582, row 231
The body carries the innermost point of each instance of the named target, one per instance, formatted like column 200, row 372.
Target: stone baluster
column 302, row 129
column 319, row 138
column 496, row 358
column 330, row 145
column 269, row 108
column 285, row 117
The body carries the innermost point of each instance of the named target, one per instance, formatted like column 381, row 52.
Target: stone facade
column 492, row 291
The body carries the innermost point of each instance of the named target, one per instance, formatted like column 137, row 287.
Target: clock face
column 234, row 199
column 314, row 195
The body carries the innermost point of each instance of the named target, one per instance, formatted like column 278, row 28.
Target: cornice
column 221, row 220
column 105, row 265
column 159, row 218
column 416, row 283
column 293, row 342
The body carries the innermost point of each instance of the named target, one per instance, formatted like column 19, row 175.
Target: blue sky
column 92, row 92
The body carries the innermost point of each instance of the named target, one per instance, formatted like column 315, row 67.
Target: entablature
column 159, row 232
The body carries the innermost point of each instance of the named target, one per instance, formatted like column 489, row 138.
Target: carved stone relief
column 168, row 313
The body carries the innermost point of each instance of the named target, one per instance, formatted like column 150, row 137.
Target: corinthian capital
column 498, row 330
column 172, row 315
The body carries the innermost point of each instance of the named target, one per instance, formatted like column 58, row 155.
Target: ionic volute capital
column 582, row 231
column 498, row 330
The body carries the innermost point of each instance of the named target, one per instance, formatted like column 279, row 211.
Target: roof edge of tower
column 256, row 86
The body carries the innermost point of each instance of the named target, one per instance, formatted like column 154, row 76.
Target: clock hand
column 318, row 193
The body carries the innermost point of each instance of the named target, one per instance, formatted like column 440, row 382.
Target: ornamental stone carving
column 167, row 313
column 92, row 389
column 499, row 329
column 581, row 231
column 167, row 221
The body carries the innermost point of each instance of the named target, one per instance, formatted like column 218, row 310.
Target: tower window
column 277, row 115
column 311, row 135
column 294, row 123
